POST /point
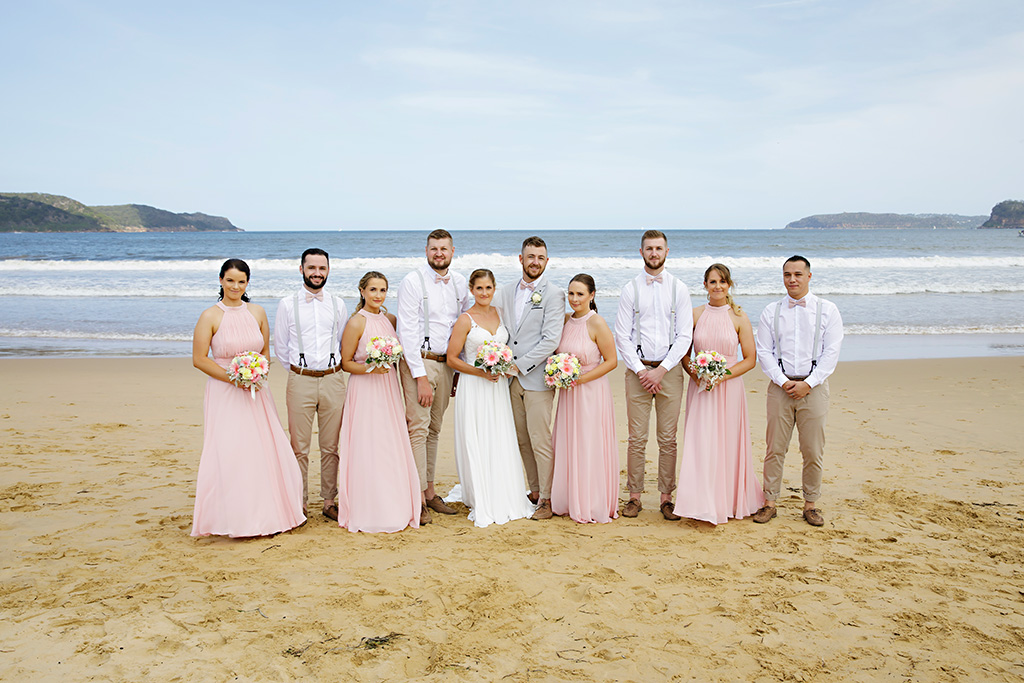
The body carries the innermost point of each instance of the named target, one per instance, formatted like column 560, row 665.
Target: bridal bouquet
column 383, row 352
column 710, row 368
column 494, row 357
column 562, row 371
column 249, row 371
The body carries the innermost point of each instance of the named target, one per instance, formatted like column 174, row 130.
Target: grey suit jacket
column 538, row 333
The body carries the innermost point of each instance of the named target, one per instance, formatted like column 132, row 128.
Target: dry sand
column 918, row 573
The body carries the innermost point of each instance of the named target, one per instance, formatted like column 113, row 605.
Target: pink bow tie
column 523, row 284
column 802, row 303
column 445, row 279
column 651, row 279
column 319, row 296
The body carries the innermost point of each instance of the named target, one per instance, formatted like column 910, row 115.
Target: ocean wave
column 579, row 263
column 107, row 336
column 902, row 330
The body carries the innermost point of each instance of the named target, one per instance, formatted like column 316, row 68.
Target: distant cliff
column 1008, row 214
column 891, row 221
column 35, row 212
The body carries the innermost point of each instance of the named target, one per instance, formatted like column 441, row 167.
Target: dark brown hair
column 237, row 264
column 534, row 241
column 587, row 282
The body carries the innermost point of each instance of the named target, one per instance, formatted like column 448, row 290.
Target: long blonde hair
column 723, row 270
column 365, row 280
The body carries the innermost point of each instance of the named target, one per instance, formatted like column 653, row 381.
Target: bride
column 486, row 451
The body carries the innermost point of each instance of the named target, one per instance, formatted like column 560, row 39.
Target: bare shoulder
column 392, row 319
column 597, row 323
column 697, row 312
column 211, row 315
column 257, row 310
column 740, row 319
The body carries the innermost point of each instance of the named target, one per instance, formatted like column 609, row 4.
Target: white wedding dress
column 487, row 456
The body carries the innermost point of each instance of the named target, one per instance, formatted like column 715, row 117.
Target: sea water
column 902, row 293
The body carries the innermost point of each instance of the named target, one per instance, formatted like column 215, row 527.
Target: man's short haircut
column 314, row 252
column 798, row 257
column 534, row 241
column 653, row 235
column 440, row 234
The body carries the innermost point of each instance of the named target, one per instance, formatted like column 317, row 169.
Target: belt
column 651, row 363
column 306, row 372
column 430, row 355
column 797, row 378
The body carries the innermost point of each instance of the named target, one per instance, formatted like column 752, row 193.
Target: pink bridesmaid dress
column 586, row 479
column 378, row 486
column 249, row 482
column 716, row 474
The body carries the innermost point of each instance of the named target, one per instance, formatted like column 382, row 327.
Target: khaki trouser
column 668, row 404
column 809, row 414
column 425, row 422
column 532, row 413
column 323, row 397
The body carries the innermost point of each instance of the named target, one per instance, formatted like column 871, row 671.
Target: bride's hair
column 479, row 273
column 723, row 270
column 589, row 283
column 365, row 280
column 239, row 265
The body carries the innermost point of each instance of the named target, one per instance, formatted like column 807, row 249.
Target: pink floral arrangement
column 710, row 367
column 383, row 352
column 562, row 371
column 249, row 370
column 494, row 357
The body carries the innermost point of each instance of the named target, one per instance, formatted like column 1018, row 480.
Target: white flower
column 535, row 298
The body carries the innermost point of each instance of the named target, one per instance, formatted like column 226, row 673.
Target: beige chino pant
column 425, row 422
column 668, row 404
column 324, row 398
column 809, row 414
column 531, row 411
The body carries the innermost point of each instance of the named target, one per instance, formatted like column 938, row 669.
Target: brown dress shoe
column 425, row 515
column 438, row 505
column 632, row 508
column 814, row 517
column 533, row 498
column 668, row 512
column 331, row 512
column 543, row 510
column 765, row 514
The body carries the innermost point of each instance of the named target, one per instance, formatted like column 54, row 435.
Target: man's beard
column 442, row 267
column 653, row 267
column 309, row 283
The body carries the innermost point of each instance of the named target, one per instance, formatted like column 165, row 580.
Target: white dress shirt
column 796, row 337
column 447, row 303
column 320, row 336
column 523, row 295
column 658, row 342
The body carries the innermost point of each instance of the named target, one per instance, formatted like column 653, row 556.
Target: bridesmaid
column 378, row 487
column 249, row 482
column 716, row 473
column 586, row 479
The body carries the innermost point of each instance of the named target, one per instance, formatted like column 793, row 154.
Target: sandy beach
column 918, row 573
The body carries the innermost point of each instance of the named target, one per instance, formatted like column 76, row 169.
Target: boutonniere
column 536, row 298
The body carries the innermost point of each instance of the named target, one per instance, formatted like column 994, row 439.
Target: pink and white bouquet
column 710, row 368
column 249, row 370
column 383, row 352
column 494, row 357
column 562, row 371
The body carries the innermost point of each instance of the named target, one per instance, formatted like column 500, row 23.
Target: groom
column 534, row 312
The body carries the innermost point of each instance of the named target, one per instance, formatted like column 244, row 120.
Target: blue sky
column 470, row 115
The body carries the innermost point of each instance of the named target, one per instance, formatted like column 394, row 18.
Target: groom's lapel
column 542, row 285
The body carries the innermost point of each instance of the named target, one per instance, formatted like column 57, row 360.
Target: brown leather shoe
column 534, row 498
column 668, row 512
column 765, row 514
column 438, row 505
column 632, row 508
column 331, row 512
column 425, row 517
column 813, row 517
column 543, row 510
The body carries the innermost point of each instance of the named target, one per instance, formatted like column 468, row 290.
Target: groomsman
column 798, row 342
column 430, row 300
column 653, row 330
column 534, row 313
column 307, row 342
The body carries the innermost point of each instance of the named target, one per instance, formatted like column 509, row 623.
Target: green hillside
column 890, row 221
column 37, row 212
column 1008, row 214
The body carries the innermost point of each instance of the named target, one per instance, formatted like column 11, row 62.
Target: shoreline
column 916, row 574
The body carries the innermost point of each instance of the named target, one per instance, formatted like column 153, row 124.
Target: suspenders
column 817, row 336
column 425, row 346
column 636, row 314
column 298, row 331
